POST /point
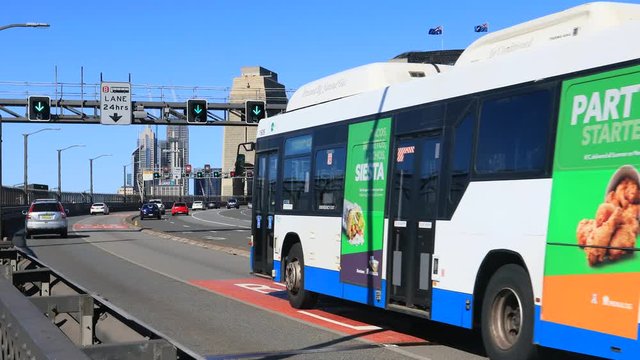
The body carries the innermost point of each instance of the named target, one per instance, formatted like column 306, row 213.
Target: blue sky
column 205, row 43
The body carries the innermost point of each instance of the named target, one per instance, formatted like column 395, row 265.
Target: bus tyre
column 299, row 298
column 508, row 315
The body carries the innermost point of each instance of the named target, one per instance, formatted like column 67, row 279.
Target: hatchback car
column 213, row 205
column 99, row 208
column 233, row 203
column 45, row 216
column 150, row 210
column 197, row 205
column 179, row 208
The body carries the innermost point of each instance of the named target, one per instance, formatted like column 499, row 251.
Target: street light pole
column 1, row 189
column 124, row 182
column 91, row 174
column 60, row 168
column 25, row 178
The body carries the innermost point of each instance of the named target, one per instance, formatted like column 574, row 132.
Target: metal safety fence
column 45, row 316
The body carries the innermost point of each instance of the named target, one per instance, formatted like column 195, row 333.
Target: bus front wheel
column 508, row 315
column 299, row 298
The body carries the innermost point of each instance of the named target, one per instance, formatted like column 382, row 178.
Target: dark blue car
column 150, row 211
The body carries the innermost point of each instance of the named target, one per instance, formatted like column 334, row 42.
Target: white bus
column 499, row 193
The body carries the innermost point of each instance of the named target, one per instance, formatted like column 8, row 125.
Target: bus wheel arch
column 504, row 307
column 494, row 260
column 293, row 274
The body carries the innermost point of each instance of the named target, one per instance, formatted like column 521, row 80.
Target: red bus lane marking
column 272, row 296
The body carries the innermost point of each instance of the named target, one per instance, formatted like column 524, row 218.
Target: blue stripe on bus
column 276, row 267
column 449, row 307
column 327, row 282
column 584, row 341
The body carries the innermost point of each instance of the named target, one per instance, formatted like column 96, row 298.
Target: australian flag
column 436, row 30
column 481, row 28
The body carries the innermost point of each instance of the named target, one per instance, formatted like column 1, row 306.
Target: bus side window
column 461, row 160
column 513, row 134
column 296, row 187
column 329, row 179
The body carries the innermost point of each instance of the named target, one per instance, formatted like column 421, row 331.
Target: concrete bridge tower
column 254, row 83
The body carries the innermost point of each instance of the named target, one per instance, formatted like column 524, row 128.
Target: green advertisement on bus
column 592, row 267
column 364, row 203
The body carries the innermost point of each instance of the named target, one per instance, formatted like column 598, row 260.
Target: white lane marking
column 353, row 327
column 186, row 225
column 171, row 222
column 215, row 238
column 212, row 231
column 188, row 232
column 263, row 289
column 219, row 223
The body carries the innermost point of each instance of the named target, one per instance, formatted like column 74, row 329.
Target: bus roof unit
column 359, row 79
column 561, row 26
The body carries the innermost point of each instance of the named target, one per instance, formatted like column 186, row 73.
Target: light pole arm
column 23, row 25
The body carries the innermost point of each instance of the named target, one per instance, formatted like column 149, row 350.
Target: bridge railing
column 45, row 316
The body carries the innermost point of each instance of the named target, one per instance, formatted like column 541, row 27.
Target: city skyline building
column 153, row 155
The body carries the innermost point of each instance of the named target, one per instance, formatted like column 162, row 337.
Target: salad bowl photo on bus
column 614, row 231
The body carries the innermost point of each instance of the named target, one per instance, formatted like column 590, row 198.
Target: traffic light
column 254, row 111
column 232, row 174
column 165, row 169
column 199, row 174
column 39, row 108
column 196, row 111
column 156, row 175
column 216, row 174
column 207, row 168
column 187, row 169
column 240, row 165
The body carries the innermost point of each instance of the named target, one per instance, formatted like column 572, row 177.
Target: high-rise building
column 178, row 154
column 153, row 156
column 147, row 149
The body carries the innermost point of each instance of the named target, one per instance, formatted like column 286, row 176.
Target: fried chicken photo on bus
column 585, row 228
column 626, row 193
column 627, row 233
column 601, row 235
column 616, row 226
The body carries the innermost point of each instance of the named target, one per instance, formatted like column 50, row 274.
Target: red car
column 179, row 208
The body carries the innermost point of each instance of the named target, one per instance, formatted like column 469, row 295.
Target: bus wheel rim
column 506, row 318
column 292, row 276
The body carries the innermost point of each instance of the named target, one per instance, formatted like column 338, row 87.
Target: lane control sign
column 115, row 103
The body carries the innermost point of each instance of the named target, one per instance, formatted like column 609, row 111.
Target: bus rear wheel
column 508, row 315
column 299, row 298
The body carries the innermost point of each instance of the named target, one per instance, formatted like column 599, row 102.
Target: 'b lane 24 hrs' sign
column 115, row 103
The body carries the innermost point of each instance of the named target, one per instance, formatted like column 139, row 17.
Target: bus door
column 264, row 205
column 412, row 219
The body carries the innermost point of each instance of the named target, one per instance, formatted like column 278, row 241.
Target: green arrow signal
column 257, row 110
column 39, row 107
column 197, row 110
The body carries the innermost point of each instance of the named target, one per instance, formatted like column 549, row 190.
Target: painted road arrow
column 115, row 117
column 257, row 110
column 39, row 107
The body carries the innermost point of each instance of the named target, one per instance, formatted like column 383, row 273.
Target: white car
column 99, row 208
column 160, row 205
column 197, row 205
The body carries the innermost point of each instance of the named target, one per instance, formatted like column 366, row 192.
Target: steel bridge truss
column 144, row 112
